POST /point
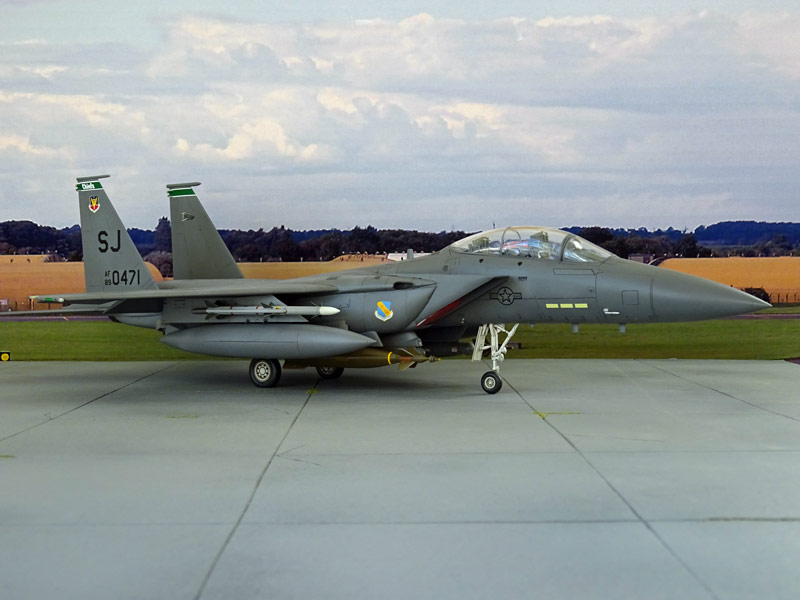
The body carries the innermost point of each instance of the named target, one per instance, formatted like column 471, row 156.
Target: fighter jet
column 456, row 301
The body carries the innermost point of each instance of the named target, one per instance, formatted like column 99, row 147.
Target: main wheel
column 265, row 372
column 330, row 372
column 491, row 382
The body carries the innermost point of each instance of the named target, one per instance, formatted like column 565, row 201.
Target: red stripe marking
column 439, row 313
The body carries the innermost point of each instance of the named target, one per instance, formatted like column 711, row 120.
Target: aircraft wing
column 199, row 290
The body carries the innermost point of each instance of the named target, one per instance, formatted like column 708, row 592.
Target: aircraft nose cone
column 681, row 297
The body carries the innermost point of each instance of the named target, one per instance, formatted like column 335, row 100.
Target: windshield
column 540, row 243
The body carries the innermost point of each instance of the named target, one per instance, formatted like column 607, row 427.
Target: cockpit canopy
column 539, row 243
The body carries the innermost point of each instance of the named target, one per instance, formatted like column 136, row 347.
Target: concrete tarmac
column 580, row 479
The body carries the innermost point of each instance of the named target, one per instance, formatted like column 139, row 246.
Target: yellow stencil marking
column 544, row 415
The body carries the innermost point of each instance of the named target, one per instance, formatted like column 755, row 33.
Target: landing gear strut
column 490, row 381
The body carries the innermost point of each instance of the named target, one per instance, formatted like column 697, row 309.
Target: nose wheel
column 490, row 381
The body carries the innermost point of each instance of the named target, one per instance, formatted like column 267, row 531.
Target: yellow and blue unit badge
column 384, row 312
column 5, row 356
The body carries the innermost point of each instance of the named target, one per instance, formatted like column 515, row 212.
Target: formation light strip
column 567, row 305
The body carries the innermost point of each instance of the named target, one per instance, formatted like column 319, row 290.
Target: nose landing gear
column 490, row 381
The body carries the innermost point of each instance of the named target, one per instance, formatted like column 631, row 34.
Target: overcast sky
column 427, row 115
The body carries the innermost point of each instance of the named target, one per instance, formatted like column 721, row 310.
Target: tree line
column 748, row 238
column 278, row 243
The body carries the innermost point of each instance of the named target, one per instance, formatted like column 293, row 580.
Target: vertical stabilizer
column 198, row 251
column 111, row 262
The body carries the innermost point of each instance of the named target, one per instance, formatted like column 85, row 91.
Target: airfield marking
column 546, row 414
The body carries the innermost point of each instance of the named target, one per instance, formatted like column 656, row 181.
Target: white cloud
column 18, row 144
column 773, row 38
column 602, row 117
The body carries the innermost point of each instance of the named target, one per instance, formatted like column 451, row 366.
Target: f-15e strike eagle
column 456, row 301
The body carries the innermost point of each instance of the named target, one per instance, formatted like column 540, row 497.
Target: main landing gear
column 330, row 372
column 265, row 372
column 490, row 381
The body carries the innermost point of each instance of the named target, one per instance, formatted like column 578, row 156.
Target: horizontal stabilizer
column 73, row 310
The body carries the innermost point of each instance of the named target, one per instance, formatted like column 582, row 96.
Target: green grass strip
column 762, row 339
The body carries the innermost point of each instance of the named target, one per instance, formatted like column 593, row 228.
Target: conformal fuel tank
column 287, row 341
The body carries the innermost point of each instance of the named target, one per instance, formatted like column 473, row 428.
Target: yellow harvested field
column 20, row 278
column 779, row 276
column 288, row 270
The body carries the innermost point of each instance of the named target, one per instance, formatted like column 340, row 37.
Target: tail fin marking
column 111, row 262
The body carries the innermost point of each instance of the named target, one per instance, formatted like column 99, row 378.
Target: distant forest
column 728, row 238
column 746, row 238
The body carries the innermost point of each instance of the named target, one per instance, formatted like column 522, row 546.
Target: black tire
column 265, row 372
column 491, row 382
column 330, row 372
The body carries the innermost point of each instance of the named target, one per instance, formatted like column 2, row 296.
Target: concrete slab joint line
column 49, row 418
column 727, row 395
column 275, row 453
column 625, row 501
